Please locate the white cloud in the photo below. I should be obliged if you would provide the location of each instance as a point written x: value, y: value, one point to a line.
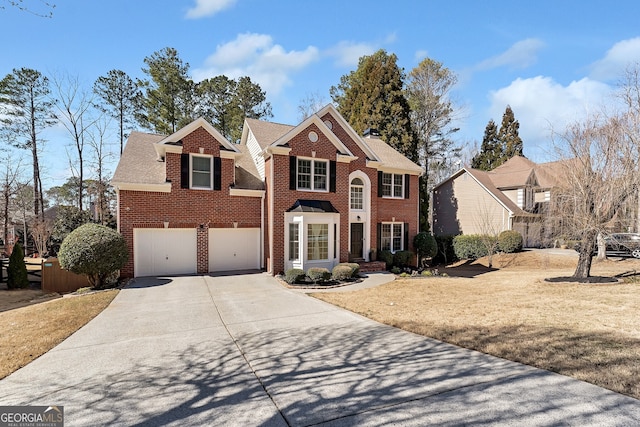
x: 204, y: 8
x: 521, y: 55
x: 541, y: 105
x: 420, y: 55
x: 256, y: 56
x: 347, y: 53
x: 619, y: 57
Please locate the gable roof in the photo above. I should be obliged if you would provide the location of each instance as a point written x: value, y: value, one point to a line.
x: 139, y: 162
x: 390, y: 158
x: 322, y: 127
x: 515, y: 172
x: 330, y: 109
x: 174, y: 138
x: 266, y: 132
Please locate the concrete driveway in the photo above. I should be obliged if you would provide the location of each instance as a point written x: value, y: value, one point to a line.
x: 244, y: 351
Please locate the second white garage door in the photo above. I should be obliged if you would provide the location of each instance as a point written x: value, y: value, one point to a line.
x: 159, y: 252
x: 234, y: 249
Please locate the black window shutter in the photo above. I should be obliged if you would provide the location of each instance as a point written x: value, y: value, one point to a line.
x: 406, y: 236
x: 217, y: 173
x: 379, y: 239
x: 407, y: 181
x: 293, y: 169
x: 332, y: 176
x: 379, y: 184
x: 184, y: 170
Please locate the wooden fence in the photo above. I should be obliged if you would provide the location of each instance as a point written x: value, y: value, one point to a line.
x: 55, y: 279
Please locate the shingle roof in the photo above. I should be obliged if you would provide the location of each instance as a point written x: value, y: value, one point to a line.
x: 139, y: 162
x: 485, y: 179
x: 390, y: 157
x: 266, y: 132
x: 515, y: 172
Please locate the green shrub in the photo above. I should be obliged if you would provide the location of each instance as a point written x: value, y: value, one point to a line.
x: 396, y: 270
x: 403, y: 258
x: 293, y: 275
x: 341, y: 272
x: 427, y: 273
x: 318, y: 274
x: 469, y: 246
x: 510, y: 241
x: 405, y: 274
x: 426, y: 246
x: 95, y: 251
x: 355, y: 268
x: 17, y: 269
x: 445, y: 254
x: 387, y: 257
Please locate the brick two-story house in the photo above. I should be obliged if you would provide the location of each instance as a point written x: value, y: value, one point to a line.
x: 314, y: 194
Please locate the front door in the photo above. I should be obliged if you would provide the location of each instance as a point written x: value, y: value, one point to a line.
x: 357, y: 235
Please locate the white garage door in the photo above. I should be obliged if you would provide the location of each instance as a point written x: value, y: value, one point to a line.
x: 159, y: 251
x: 234, y: 249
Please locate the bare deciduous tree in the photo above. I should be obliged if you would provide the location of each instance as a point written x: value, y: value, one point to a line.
x: 599, y: 175
x: 40, y: 233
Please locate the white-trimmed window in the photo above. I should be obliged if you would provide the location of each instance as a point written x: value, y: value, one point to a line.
x: 317, y: 242
x: 294, y: 241
x: 392, y: 185
x: 201, y: 172
x: 391, y: 236
x: 312, y: 174
x: 356, y: 195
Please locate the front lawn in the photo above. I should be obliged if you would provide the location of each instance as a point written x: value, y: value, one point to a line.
x: 589, y: 332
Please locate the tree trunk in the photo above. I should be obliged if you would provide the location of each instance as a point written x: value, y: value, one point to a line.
x: 583, y: 269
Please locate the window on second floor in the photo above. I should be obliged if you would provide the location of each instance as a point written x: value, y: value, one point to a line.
x: 201, y: 172
x: 312, y: 174
x: 392, y: 185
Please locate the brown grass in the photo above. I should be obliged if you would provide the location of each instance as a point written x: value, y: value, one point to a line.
x: 31, y: 331
x: 589, y: 332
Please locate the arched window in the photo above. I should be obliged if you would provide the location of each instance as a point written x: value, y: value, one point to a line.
x: 357, y: 194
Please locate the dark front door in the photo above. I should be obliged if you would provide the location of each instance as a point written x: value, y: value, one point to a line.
x: 357, y: 235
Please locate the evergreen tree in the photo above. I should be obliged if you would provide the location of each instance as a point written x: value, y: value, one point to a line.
x: 490, y: 151
x: 508, y: 135
x: 252, y: 103
x: 217, y: 103
x: 17, y: 269
x: 120, y: 93
x: 167, y: 103
x: 25, y: 111
x: 373, y: 97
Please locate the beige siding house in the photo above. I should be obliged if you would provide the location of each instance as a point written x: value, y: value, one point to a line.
x: 510, y: 197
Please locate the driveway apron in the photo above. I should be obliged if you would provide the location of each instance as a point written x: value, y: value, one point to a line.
x: 242, y: 350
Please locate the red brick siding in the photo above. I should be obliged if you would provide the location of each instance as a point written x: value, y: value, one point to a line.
x: 186, y: 208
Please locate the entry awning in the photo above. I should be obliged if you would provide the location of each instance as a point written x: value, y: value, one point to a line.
x: 318, y: 206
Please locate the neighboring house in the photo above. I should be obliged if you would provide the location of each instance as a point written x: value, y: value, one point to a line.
x: 513, y: 196
x: 314, y: 194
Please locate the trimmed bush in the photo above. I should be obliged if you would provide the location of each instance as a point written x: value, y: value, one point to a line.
x: 387, y: 257
x: 95, y: 251
x: 510, y: 241
x: 294, y: 275
x: 403, y: 258
x: 17, y: 269
x: 469, y: 246
x: 341, y: 272
x: 318, y: 274
x: 445, y: 254
x: 426, y: 246
x: 355, y: 268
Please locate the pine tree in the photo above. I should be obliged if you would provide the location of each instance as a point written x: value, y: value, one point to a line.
x: 167, y: 103
x: 25, y: 110
x: 509, y: 137
x: 373, y: 97
x: 120, y: 93
x: 490, y: 151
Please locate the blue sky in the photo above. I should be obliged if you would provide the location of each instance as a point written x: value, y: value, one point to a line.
x: 552, y: 61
